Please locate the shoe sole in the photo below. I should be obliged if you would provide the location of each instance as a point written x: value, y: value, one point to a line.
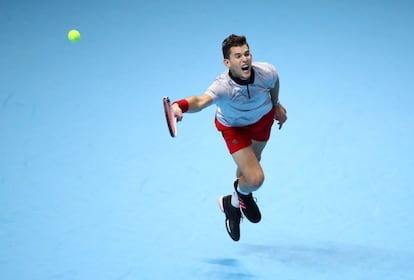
x: 220, y: 203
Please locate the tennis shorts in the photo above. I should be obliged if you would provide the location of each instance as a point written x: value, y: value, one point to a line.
x: 237, y: 138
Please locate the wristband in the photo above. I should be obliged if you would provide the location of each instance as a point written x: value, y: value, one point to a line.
x: 183, y: 104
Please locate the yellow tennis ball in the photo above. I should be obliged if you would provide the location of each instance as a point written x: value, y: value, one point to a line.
x: 74, y: 35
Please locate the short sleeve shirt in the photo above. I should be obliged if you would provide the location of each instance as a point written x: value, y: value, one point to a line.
x: 241, y: 105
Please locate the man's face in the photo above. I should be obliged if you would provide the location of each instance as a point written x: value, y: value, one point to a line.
x: 240, y: 62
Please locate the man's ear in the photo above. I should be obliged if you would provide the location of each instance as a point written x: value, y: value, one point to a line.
x: 226, y: 62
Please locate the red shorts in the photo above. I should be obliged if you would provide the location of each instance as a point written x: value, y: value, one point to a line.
x: 241, y: 137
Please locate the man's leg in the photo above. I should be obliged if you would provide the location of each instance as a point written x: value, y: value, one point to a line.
x: 250, y: 178
x: 249, y: 170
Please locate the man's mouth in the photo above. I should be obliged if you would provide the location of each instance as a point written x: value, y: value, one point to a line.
x: 245, y: 68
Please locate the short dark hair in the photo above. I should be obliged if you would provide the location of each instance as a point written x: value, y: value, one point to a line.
x: 232, y: 41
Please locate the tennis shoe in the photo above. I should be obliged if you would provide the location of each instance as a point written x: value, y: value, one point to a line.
x: 248, y: 205
x: 233, y: 216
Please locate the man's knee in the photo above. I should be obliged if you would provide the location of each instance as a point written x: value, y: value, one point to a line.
x: 254, y: 182
x: 257, y: 182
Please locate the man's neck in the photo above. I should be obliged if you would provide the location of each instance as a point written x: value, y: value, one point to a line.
x: 243, y: 82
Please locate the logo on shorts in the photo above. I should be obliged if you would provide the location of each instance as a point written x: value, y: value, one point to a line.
x: 234, y: 142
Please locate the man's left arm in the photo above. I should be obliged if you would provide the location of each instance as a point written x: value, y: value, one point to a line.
x: 280, y: 112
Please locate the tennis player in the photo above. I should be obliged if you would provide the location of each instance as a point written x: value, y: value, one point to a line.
x: 247, y: 100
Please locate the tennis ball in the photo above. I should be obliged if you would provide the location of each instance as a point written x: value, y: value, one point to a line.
x: 74, y: 35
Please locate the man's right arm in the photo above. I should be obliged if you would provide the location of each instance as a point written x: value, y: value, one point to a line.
x: 192, y: 104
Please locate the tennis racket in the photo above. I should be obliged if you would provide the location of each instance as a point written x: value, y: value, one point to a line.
x: 170, y: 116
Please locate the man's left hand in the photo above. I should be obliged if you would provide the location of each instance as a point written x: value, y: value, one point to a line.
x: 280, y: 115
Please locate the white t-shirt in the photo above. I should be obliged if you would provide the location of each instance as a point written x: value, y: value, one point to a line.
x: 241, y: 105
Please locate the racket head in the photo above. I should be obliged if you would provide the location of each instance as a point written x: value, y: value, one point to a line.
x: 170, y: 116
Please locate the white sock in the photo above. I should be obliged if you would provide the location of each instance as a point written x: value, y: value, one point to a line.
x: 235, y: 200
x: 242, y: 192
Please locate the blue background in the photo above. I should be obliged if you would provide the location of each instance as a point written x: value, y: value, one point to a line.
x: 93, y: 187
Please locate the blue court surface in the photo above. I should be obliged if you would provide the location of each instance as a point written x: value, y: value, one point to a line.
x: 93, y: 187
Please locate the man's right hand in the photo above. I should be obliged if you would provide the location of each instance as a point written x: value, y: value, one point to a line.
x: 177, y: 112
